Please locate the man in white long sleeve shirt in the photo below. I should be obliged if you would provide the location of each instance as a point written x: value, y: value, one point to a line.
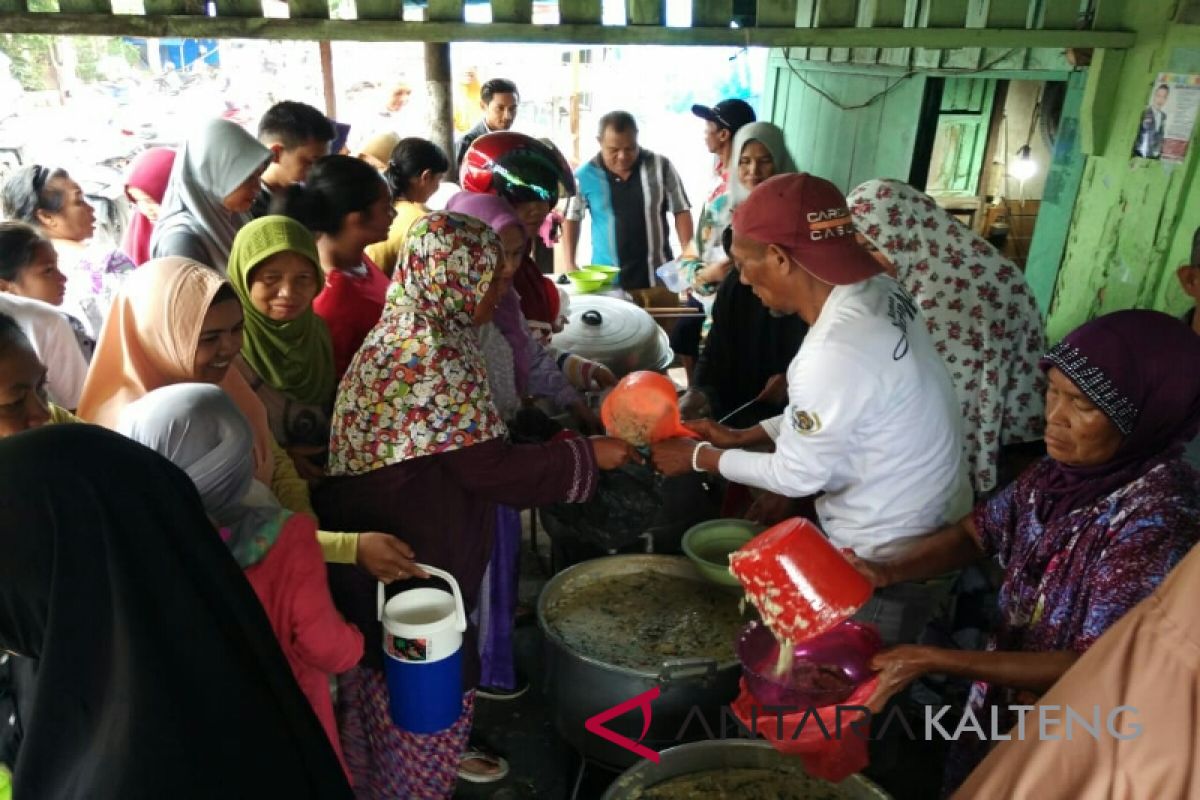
x: 873, y: 421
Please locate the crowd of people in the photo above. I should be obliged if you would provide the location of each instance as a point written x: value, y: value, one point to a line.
x: 341, y: 384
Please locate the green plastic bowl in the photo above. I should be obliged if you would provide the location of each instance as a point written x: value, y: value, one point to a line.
x: 610, y: 273
x: 586, y: 280
x: 709, y: 544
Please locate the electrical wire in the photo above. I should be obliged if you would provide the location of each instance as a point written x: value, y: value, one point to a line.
x: 895, y: 85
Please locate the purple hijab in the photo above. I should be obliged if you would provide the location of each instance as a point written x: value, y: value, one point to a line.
x: 1139, y: 368
x: 507, y: 318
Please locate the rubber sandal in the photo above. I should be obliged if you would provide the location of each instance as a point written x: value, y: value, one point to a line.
x: 501, y: 694
x: 498, y: 764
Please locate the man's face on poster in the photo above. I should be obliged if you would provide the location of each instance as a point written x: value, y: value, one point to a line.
x: 1160, y: 97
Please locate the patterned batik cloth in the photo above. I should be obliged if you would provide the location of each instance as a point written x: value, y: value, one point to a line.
x: 1067, y: 581
x: 385, y: 762
x: 980, y: 312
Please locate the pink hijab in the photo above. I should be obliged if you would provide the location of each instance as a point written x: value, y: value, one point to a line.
x: 149, y: 173
x: 508, y: 319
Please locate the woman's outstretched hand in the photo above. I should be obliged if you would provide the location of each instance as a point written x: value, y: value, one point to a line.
x: 612, y: 453
x: 387, y: 558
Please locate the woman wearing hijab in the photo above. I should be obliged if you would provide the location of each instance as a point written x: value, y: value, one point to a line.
x: 748, y: 348
x: 287, y: 355
x: 177, y: 321
x: 145, y: 186
x: 980, y: 312
x: 414, y: 418
x: 214, y: 181
x: 531, y: 175
x: 201, y: 431
x: 347, y: 205
x: 1082, y: 535
x: 157, y: 671
x: 537, y: 370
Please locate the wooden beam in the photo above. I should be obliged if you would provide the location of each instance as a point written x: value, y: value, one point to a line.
x: 238, y: 8
x: 1008, y: 14
x: 382, y: 10
x: 445, y: 11
x: 399, y: 31
x: 325, y: 50
x: 885, y: 13
x: 946, y: 13
x: 836, y: 13
x: 711, y: 13
x: 1059, y: 14
x: 649, y: 12
x: 1109, y: 14
x: 579, y: 12
x: 92, y: 6
x: 776, y: 13
x: 1099, y: 98
x: 169, y: 7
x: 516, y: 11
x: 308, y: 9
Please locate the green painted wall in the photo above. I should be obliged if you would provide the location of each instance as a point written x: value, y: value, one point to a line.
x: 1133, y: 221
x: 845, y: 146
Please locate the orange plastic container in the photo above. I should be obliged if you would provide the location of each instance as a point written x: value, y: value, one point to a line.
x: 643, y: 409
x: 798, y: 580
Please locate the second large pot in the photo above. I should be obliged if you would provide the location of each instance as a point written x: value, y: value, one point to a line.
x: 692, y: 692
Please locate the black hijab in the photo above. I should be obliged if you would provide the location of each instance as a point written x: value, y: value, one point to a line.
x: 157, y: 671
x: 746, y: 345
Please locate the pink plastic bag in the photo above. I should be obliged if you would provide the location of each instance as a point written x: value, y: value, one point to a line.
x: 832, y: 749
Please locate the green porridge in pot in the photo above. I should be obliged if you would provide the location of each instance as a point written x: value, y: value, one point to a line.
x: 640, y: 619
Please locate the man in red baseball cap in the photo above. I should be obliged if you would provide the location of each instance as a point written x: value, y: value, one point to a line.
x: 794, y: 240
x: 873, y: 424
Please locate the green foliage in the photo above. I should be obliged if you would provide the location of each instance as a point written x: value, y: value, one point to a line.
x: 32, y: 54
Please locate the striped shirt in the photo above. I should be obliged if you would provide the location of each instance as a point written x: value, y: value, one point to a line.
x: 630, y: 223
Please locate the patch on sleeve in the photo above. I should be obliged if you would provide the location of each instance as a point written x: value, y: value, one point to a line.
x: 805, y: 422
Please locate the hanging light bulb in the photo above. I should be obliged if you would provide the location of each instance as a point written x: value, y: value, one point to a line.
x: 1024, y: 167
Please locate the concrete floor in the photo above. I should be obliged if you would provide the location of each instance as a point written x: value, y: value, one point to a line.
x: 544, y: 767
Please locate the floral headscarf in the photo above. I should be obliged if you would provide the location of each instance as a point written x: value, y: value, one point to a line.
x: 418, y: 385
x: 980, y: 312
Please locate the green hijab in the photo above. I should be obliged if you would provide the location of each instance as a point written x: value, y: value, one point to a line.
x: 295, y: 357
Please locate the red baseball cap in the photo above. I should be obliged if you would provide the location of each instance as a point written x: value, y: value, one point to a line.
x: 808, y: 217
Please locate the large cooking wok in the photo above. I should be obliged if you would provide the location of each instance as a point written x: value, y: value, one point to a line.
x: 579, y: 686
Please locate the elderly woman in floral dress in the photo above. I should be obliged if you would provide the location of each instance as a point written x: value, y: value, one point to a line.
x: 1082, y: 535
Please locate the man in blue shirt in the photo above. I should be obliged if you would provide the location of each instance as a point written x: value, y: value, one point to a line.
x: 629, y: 192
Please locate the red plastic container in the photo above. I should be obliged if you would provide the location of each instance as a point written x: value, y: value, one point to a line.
x: 798, y: 580
x: 643, y: 409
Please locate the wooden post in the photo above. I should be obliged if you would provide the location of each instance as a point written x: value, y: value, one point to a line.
x: 327, y: 78
x: 441, y: 100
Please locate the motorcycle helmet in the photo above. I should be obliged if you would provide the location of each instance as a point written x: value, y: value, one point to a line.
x: 517, y: 167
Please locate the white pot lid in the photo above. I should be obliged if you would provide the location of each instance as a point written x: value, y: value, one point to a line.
x: 618, y: 334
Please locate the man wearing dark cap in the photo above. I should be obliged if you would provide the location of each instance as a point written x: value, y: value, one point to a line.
x: 704, y: 263
x: 721, y: 122
x: 873, y: 421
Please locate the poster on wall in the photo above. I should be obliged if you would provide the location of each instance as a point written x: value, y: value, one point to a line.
x: 1165, y: 127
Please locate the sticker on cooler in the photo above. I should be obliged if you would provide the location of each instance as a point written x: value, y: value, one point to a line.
x: 407, y: 649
